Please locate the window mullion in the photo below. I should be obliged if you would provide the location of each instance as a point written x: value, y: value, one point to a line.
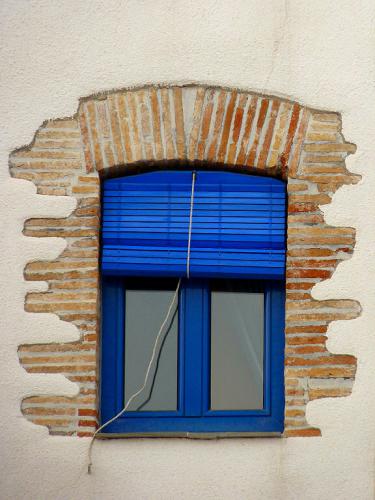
x: 193, y: 319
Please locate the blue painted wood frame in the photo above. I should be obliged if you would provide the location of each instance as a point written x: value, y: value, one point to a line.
x: 193, y: 414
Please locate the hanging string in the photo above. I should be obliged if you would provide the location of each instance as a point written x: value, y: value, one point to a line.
x: 190, y: 225
x: 133, y: 396
x: 157, y: 344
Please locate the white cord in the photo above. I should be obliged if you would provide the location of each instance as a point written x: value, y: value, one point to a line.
x: 190, y: 225
x: 133, y: 396
x: 154, y: 350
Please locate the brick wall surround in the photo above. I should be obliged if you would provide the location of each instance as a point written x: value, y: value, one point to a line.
x: 176, y: 127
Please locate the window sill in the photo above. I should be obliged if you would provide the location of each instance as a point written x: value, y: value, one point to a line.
x: 188, y: 435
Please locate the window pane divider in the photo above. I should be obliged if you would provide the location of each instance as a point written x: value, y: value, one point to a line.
x: 192, y: 310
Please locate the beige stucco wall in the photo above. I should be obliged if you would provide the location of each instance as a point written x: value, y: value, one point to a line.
x: 319, y: 53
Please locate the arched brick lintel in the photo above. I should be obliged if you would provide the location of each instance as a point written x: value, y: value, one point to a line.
x: 179, y: 126
x: 198, y: 124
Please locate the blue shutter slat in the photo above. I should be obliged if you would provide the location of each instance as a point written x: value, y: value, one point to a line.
x: 244, y: 203
x: 201, y: 228
x: 202, y: 254
x: 276, y: 221
x: 238, y: 225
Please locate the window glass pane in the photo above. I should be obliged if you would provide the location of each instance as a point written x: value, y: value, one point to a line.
x: 145, y: 311
x: 237, y: 338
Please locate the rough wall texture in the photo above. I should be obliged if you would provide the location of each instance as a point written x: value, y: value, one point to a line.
x: 176, y: 127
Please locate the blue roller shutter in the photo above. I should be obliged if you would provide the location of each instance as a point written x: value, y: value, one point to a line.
x: 238, y: 225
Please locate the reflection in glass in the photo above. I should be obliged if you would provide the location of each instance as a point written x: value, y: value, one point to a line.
x: 145, y: 310
x: 237, y: 337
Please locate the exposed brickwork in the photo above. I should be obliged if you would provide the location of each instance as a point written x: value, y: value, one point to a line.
x: 179, y: 126
x: 215, y: 125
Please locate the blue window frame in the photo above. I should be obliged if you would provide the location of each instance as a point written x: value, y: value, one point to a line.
x: 237, y: 241
x: 193, y: 413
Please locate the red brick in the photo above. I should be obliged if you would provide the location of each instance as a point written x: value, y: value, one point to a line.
x: 324, y: 360
x: 84, y: 412
x: 85, y: 434
x: 87, y: 423
x: 310, y: 432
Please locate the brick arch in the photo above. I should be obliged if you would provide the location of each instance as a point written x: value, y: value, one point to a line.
x: 126, y: 131
x: 192, y: 125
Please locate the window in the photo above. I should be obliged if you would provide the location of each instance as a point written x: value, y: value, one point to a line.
x: 219, y: 368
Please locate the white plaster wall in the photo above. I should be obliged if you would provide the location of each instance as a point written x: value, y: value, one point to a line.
x: 319, y: 52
